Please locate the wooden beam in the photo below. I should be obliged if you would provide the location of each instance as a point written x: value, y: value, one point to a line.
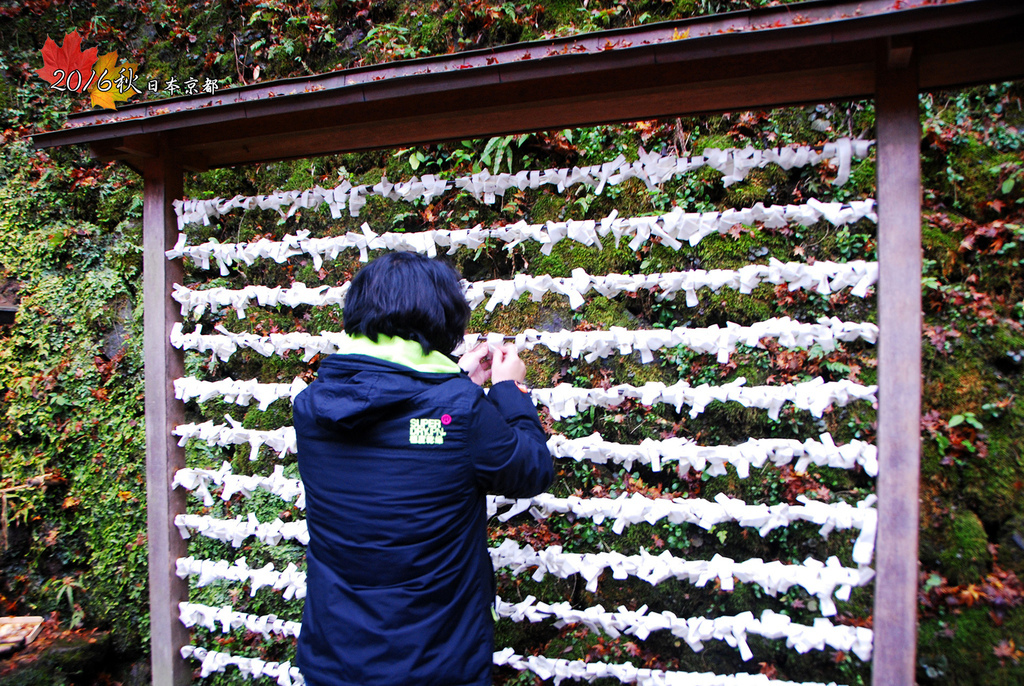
x: 163, y: 364
x: 899, y: 370
x: 760, y: 58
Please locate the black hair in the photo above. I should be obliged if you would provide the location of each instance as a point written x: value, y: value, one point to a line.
x: 410, y: 296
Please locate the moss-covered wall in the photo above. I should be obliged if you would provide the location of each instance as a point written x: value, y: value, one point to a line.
x: 71, y: 430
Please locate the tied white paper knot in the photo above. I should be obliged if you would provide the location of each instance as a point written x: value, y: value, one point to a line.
x: 636, y: 508
x: 714, y: 340
x: 560, y: 669
x: 687, y: 454
x: 195, y: 614
x: 199, y: 480
x: 816, y: 396
x: 250, y: 667
x: 820, y: 579
x: 235, y: 391
x: 696, y: 630
x: 290, y: 581
x: 235, y: 531
x: 281, y: 441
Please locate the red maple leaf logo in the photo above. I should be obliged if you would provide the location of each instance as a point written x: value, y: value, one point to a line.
x: 67, y: 67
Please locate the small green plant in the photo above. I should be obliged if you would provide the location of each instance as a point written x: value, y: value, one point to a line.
x: 66, y: 591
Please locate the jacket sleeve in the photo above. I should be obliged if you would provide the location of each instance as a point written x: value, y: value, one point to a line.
x: 507, y: 444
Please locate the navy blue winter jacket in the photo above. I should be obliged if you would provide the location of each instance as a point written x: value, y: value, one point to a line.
x: 396, y: 461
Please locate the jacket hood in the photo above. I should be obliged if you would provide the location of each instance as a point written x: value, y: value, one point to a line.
x: 370, y: 380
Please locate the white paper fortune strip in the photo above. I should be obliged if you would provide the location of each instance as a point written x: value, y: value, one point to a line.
x: 560, y: 670
x: 290, y: 581
x: 625, y: 510
x: 684, y: 452
x: 250, y: 667
x: 195, y: 614
x: 695, y: 630
x: 651, y: 168
x: 564, y: 400
x: 591, y: 345
x: 672, y: 229
x: 823, y: 277
x: 817, y: 578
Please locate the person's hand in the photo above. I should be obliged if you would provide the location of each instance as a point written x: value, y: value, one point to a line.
x: 477, y: 363
x: 506, y: 365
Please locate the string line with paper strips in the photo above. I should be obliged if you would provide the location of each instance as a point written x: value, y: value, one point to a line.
x: 668, y: 488
x: 672, y: 229
x: 651, y: 168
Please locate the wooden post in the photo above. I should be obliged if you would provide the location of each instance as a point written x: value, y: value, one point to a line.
x: 163, y: 364
x: 899, y: 366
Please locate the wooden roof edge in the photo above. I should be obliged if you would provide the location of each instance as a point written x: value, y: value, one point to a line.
x: 822, y: 22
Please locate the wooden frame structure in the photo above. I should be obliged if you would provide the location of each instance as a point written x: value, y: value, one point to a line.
x: 805, y: 53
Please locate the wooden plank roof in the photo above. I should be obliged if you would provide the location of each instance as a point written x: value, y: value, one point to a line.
x: 808, y: 52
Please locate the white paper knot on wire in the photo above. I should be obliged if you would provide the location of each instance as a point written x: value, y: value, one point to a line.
x: 560, y: 669
x: 249, y: 667
x: 235, y: 531
x: 696, y: 630
x: 636, y: 508
x: 199, y: 480
x: 715, y: 340
x: 591, y: 345
x: 651, y: 168
x: 291, y: 581
x: 816, y: 396
x: 824, y: 277
x: 687, y: 454
x: 235, y: 391
x: 672, y: 229
x: 281, y: 441
x: 195, y: 614
x: 820, y: 579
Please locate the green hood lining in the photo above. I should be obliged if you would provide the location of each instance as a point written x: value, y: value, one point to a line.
x: 400, y: 351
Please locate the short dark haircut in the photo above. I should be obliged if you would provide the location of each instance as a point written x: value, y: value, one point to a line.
x: 410, y: 296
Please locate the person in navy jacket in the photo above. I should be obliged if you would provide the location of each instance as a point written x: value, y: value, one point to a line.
x: 397, y: 447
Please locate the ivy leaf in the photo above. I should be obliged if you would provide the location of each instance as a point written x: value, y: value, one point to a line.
x: 111, y: 83
x: 61, y: 63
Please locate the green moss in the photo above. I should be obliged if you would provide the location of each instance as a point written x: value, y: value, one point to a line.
x: 959, y: 649
x: 993, y: 484
x: 965, y: 557
x: 759, y: 186
x: 601, y: 310
x: 568, y: 255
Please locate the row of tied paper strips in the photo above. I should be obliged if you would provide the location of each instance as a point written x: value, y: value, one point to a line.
x: 826, y: 581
